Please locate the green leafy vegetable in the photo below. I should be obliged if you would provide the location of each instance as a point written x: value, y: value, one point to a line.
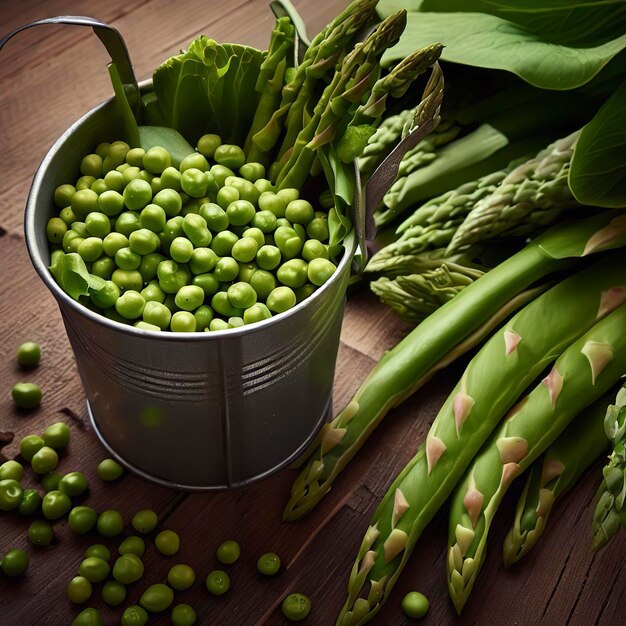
x: 598, y: 171
x: 472, y: 38
x: 71, y: 273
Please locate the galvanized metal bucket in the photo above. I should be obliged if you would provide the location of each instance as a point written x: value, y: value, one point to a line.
x: 197, y: 411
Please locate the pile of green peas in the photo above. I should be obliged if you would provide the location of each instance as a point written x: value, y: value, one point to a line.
x: 205, y: 246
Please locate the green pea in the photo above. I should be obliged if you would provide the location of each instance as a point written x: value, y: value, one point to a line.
x: 145, y: 326
x: 244, y: 250
x: 269, y: 201
x: 73, y: 484
x: 304, y: 292
x: 126, y: 259
x: 183, y: 322
x: 143, y: 241
x: 240, y: 212
x: 133, y: 545
x: 80, y: 228
x: 228, y: 552
x: 85, y: 182
x: 202, y: 260
x: 79, y: 590
x: 229, y: 155
x: 157, y: 598
x: 63, y: 195
x: 296, y: 607
x: 26, y: 395
x: 127, y: 223
x: 221, y: 173
x: 137, y: 194
x: 44, y: 460
x: 189, y: 297
x: 99, y: 186
x: 128, y: 569
x: 113, y: 593
x: 208, y: 283
x: 114, y: 242
x: 314, y: 249
x: 84, y: 201
x: 88, y: 617
x: 226, y: 196
x: 320, y: 270
x: 40, y: 533
x: 226, y: 269
x: 263, y: 185
x: 55, y: 230
x: 109, y: 470
x: 149, y: 265
x: 90, y: 249
x: 114, y: 182
x: 134, y: 157
x: 91, y: 165
x: 10, y: 494
x: 265, y: 221
x: 98, y: 225
x: 317, y: 229
x: 236, y: 322
x: 127, y: 280
x: 110, y: 203
x: 157, y: 314
x: 50, y: 481
x: 252, y: 171
x: 268, y: 257
x: 98, y: 550
x: 181, y: 250
x: 153, y: 217
x: 263, y: 283
x: 203, y: 315
x: 82, y: 519
x: 144, y: 521
x: 256, y: 313
x: 170, y: 179
x: 103, y: 268
x: 11, y: 470
x: 130, y: 305
x: 289, y: 194
x: 170, y: 201
x: 195, y: 160
x: 156, y: 160
x: 194, y: 182
x: 94, y: 569
x: 219, y: 324
x: 30, y: 503
x: 167, y: 542
x: 110, y: 523
x: 183, y: 615
x: 152, y: 293
x: 293, y: 273
x: 223, y: 243
x: 215, y: 217
x: 268, y: 564
x: 57, y: 435
x: 218, y: 582
x: 55, y: 504
x: 415, y: 604
x: 181, y: 577
x: 221, y: 303
x: 246, y: 270
x: 195, y: 227
x: 255, y: 234
x: 71, y: 240
x: 172, y: 276
x: 68, y: 216
x: 288, y: 242
x: 14, y: 562
x: 281, y: 299
x: 208, y: 144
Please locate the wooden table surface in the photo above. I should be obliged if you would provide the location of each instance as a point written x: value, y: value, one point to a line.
x: 48, y: 78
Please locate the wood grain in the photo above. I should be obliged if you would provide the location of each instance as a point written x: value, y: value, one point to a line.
x: 48, y: 78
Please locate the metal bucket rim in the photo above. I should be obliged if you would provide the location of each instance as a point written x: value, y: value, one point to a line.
x: 350, y: 245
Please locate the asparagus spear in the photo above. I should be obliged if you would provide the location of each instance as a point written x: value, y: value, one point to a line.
x: 415, y: 296
x: 493, y: 380
x: 557, y: 471
x: 321, y: 56
x: 610, y: 512
x: 350, y: 84
x: 450, y: 331
x: 540, y: 183
x: 586, y: 370
x: 269, y: 84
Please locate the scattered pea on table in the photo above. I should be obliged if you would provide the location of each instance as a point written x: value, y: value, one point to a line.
x: 10, y: 494
x: 218, y: 582
x: 40, y: 533
x: 167, y: 542
x: 109, y: 470
x: 228, y: 552
x: 128, y: 569
x: 183, y: 615
x: 144, y: 521
x: 29, y: 353
x: 157, y: 598
x: 268, y: 564
x: 132, y: 545
x: 134, y: 615
x: 82, y: 519
x: 110, y: 523
x: 57, y: 435
x: 79, y: 590
x: 15, y: 562
x: 88, y: 617
x: 26, y: 395
x: 296, y: 607
x: 415, y: 604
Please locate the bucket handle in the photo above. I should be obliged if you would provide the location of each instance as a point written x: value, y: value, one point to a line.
x: 110, y: 38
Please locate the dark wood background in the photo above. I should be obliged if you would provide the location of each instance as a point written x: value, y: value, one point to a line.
x: 48, y: 78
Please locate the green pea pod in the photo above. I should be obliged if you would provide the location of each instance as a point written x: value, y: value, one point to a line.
x: 555, y: 473
x: 586, y: 370
x: 494, y: 379
x: 444, y: 335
